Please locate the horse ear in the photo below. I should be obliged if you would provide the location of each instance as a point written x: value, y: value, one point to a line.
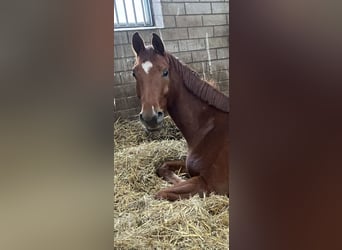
x: 158, y: 44
x: 138, y: 43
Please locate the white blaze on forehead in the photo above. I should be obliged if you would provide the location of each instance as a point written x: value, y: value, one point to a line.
x: 147, y: 66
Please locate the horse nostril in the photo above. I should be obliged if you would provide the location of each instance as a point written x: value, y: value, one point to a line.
x: 160, y: 116
x: 140, y: 116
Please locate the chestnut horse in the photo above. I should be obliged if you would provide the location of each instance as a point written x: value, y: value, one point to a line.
x: 200, y: 111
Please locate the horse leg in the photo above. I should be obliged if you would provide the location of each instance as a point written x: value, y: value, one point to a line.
x: 168, y: 169
x: 184, y: 189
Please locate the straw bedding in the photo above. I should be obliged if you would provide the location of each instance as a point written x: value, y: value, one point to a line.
x: 140, y: 221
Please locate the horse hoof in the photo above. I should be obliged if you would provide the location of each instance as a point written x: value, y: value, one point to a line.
x: 158, y: 172
x: 159, y: 196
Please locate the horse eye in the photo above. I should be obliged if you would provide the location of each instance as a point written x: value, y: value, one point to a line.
x: 165, y: 73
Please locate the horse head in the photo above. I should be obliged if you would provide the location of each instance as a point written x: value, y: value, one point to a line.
x: 151, y: 71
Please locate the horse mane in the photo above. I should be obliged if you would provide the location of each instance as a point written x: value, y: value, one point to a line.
x: 199, y: 87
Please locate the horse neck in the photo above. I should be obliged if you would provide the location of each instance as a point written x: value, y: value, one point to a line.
x: 186, y: 109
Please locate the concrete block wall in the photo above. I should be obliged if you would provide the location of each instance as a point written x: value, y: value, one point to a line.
x: 196, y: 31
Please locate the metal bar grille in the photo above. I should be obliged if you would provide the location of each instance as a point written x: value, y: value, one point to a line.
x: 125, y: 12
x: 132, y: 13
x: 135, y: 15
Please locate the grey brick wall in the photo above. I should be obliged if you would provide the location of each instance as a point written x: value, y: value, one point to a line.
x: 192, y: 29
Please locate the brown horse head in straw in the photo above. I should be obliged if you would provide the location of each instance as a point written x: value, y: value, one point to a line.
x: 152, y: 75
x: 199, y: 110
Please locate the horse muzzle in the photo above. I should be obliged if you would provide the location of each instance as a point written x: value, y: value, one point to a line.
x: 153, y: 122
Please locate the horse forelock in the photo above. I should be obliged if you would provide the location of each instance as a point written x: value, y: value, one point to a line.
x: 148, y: 54
x: 199, y: 87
